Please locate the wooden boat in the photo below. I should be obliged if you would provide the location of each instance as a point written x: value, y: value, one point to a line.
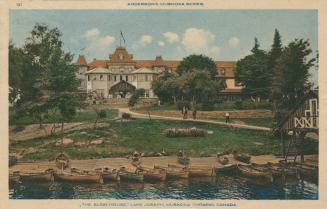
x: 201, y: 172
x: 225, y: 169
x: 174, y: 171
x: 108, y: 174
x: 14, y: 177
x: 223, y: 160
x: 307, y: 171
x: 129, y: 176
x: 12, y: 160
x: 154, y: 174
x: 245, y: 158
x: 78, y: 177
x: 62, y: 161
x: 46, y: 176
x: 183, y: 160
x: 261, y: 175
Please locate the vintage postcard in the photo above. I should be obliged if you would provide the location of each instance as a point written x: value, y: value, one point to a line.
x: 162, y: 104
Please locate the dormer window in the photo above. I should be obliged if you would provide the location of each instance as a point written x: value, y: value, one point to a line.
x: 121, y: 56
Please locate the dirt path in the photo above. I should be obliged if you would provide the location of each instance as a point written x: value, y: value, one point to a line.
x: 238, y: 125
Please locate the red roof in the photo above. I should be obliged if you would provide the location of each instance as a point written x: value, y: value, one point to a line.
x: 81, y: 60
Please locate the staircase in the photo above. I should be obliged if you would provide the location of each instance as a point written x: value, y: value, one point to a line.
x: 293, y: 148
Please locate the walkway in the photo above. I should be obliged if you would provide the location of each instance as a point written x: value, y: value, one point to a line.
x: 237, y: 125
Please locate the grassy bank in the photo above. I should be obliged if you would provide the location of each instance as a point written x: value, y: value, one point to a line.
x: 122, y: 138
x: 81, y: 116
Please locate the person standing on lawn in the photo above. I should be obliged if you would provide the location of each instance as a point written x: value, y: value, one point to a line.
x: 194, y: 113
x: 227, y: 117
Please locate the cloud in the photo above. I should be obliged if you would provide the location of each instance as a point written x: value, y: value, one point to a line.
x: 93, y: 32
x: 171, y: 37
x: 145, y: 39
x: 233, y: 41
x: 96, y: 43
x: 200, y: 41
x: 161, y: 43
x: 142, y: 41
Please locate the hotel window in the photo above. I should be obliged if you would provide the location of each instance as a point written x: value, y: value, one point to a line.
x: 88, y: 77
x: 101, y: 77
x: 115, y: 78
x: 134, y: 78
x: 108, y: 77
x: 146, y: 77
x: 126, y: 77
x: 121, y: 77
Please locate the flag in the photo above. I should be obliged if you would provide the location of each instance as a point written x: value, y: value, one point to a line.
x: 121, y: 33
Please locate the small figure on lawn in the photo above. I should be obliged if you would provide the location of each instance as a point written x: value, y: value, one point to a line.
x: 184, y: 112
x: 194, y: 114
x: 227, y: 117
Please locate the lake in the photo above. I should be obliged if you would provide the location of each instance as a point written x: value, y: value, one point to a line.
x: 222, y: 187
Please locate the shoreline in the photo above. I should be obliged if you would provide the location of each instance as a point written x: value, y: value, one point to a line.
x: 91, y: 164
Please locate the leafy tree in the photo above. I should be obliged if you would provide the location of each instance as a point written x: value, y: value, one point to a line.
x: 197, y: 62
x: 293, y: 66
x: 135, y: 96
x: 251, y: 71
x: 167, y: 87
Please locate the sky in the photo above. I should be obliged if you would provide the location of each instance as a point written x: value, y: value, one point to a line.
x: 173, y: 34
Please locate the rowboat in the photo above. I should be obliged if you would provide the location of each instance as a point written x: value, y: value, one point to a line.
x: 198, y: 172
x: 183, y: 160
x: 223, y: 160
x: 46, y: 176
x: 174, y: 171
x: 306, y: 171
x: 225, y: 169
x: 78, y: 177
x: 260, y: 175
x: 241, y: 157
x: 129, y: 176
x: 154, y: 174
x: 14, y: 177
x: 108, y: 175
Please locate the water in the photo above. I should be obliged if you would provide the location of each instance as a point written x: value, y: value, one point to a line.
x: 200, y: 188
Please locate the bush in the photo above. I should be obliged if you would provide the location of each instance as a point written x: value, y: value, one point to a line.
x: 102, y: 114
x: 181, y: 104
x: 238, y: 105
x: 188, y: 132
x: 135, y: 96
x: 126, y: 116
x: 209, y: 106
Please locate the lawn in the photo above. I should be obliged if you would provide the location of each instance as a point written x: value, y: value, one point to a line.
x: 82, y: 116
x: 122, y: 138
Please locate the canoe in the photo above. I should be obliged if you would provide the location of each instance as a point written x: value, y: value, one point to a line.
x: 129, y: 176
x: 242, y: 157
x: 110, y: 175
x: 37, y: 177
x: 183, y: 160
x: 14, y: 177
x: 225, y: 169
x: 259, y: 174
x: 177, y: 173
x: 154, y: 175
x: 77, y: 177
x: 201, y: 172
x: 12, y: 160
x: 223, y: 160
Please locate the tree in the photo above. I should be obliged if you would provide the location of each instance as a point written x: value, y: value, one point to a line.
x: 293, y: 66
x: 48, y: 79
x: 197, y: 62
x: 135, y: 96
x: 198, y: 87
x: 275, y: 77
x: 251, y: 71
x: 167, y: 87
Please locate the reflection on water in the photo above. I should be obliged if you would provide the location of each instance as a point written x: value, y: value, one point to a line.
x: 223, y: 187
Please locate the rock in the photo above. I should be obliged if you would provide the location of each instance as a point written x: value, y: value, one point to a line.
x: 80, y: 143
x: 66, y: 141
x: 96, y: 141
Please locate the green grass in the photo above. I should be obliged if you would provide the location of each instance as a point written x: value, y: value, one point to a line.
x: 246, y: 105
x: 122, y: 138
x: 266, y: 122
x: 79, y: 117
